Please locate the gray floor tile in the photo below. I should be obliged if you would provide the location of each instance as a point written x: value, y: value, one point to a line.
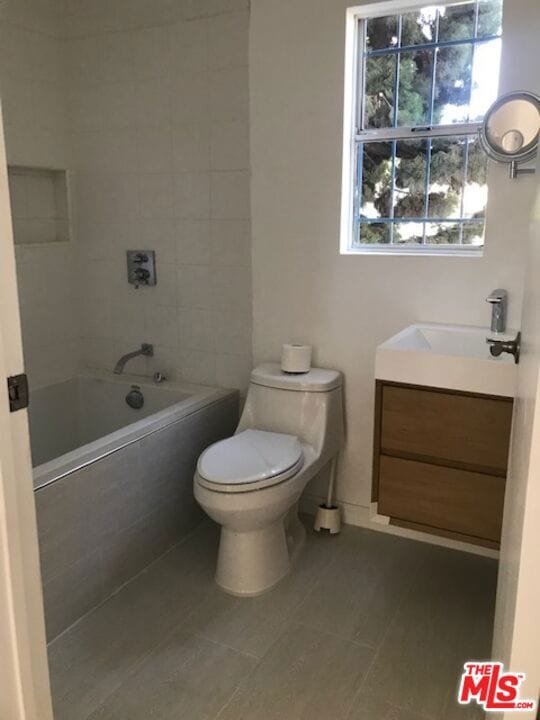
x: 371, y: 707
x: 185, y: 678
x: 359, y: 595
x: 445, y: 620
x: 170, y: 644
x: 93, y: 657
x: 306, y: 674
x: 250, y: 625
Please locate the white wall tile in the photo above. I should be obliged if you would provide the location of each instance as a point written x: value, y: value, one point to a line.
x: 197, y: 366
x: 17, y: 101
x: 157, y: 234
x: 165, y: 360
x: 187, y: 44
x: 193, y: 242
x: 228, y: 41
x: 230, y: 145
x: 192, y: 196
x: 161, y: 325
x: 230, y: 195
x: 233, y: 333
x: 190, y: 97
x: 149, y: 50
x: 133, y: 90
x: 232, y: 289
x: 208, y: 8
x: 231, y: 242
x: 154, y: 150
x: 195, y: 287
x: 156, y: 195
x: 191, y: 147
x: 116, y: 58
x: 233, y: 371
x: 229, y: 95
x: 116, y: 105
x: 153, y: 103
x: 197, y: 329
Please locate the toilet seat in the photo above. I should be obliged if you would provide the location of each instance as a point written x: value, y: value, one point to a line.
x: 250, y: 460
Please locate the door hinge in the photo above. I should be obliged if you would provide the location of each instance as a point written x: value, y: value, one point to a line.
x: 18, y: 392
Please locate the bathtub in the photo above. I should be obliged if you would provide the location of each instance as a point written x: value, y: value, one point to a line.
x: 113, y: 484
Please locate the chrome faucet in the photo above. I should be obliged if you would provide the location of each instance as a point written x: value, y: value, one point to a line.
x: 498, y: 300
x: 146, y: 349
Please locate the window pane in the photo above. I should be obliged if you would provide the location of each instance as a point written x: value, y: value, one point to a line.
x: 382, y: 32
x: 418, y: 28
x: 489, y: 18
x: 415, y: 77
x: 408, y: 233
x: 410, y: 182
x: 452, y: 84
x: 374, y: 233
x: 456, y: 22
x: 379, y: 92
x: 427, y: 191
x: 376, y: 194
x: 446, y: 167
x: 475, y: 190
x: 473, y: 234
x: 485, y: 78
x: 443, y: 233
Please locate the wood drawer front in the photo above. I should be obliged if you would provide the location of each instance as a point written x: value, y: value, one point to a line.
x: 458, y: 500
x: 468, y: 430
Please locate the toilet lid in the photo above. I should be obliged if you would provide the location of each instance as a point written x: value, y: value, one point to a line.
x: 249, y: 457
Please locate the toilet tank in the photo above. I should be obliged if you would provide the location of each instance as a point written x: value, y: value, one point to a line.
x: 308, y: 405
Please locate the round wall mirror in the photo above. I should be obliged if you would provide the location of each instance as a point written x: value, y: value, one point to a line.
x: 510, y: 130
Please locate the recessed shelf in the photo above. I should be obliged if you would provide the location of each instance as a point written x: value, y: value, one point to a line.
x: 39, y: 205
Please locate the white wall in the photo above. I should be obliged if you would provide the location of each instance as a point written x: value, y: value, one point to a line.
x: 33, y: 91
x: 303, y: 290
x: 159, y: 121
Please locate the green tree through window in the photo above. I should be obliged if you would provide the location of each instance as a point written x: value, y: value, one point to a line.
x: 426, y: 79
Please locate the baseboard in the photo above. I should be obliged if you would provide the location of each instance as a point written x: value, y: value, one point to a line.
x: 367, y: 517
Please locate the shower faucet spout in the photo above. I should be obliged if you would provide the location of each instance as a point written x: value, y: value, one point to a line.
x: 145, y: 349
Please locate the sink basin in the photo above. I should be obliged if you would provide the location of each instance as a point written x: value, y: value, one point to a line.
x: 455, y: 357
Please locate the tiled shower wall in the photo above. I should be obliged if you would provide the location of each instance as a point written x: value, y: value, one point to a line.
x: 146, y: 103
x: 158, y: 110
x: 33, y: 92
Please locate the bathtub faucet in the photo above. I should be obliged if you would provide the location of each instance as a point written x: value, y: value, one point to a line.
x: 146, y: 349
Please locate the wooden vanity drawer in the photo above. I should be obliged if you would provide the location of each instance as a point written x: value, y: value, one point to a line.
x: 459, y: 501
x: 446, y: 427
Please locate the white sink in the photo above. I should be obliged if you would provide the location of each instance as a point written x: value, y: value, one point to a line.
x: 455, y: 357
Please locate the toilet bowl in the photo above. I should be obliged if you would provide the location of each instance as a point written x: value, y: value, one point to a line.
x: 250, y: 484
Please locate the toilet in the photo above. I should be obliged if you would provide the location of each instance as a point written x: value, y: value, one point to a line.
x: 250, y: 483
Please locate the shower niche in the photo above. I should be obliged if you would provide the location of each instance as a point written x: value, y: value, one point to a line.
x: 39, y: 205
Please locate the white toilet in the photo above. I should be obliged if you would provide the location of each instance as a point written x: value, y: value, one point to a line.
x: 291, y: 426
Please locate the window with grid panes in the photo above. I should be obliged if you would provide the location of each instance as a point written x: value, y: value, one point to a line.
x: 424, y: 79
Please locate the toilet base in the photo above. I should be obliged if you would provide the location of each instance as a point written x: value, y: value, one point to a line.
x: 250, y: 563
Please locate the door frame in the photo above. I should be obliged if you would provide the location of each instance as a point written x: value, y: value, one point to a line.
x: 24, y: 676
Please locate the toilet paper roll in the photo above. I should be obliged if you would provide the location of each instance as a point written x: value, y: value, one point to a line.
x: 296, y: 358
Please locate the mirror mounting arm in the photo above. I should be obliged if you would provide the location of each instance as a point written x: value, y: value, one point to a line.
x: 515, y: 170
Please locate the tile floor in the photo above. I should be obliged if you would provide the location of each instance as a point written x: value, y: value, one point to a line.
x: 366, y: 627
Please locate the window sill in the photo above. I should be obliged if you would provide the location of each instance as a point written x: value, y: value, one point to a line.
x: 403, y: 252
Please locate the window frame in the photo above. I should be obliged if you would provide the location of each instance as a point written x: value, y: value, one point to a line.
x: 352, y: 134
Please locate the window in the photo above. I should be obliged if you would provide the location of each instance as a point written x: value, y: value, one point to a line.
x: 418, y: 84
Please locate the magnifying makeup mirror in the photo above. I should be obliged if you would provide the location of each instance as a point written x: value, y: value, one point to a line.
x: 510, y: 130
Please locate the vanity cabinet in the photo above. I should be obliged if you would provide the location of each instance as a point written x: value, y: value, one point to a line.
x: 440, y: 460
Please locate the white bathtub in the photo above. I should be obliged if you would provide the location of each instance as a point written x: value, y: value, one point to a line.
x: 76, y: 422
x: 114, y: 485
